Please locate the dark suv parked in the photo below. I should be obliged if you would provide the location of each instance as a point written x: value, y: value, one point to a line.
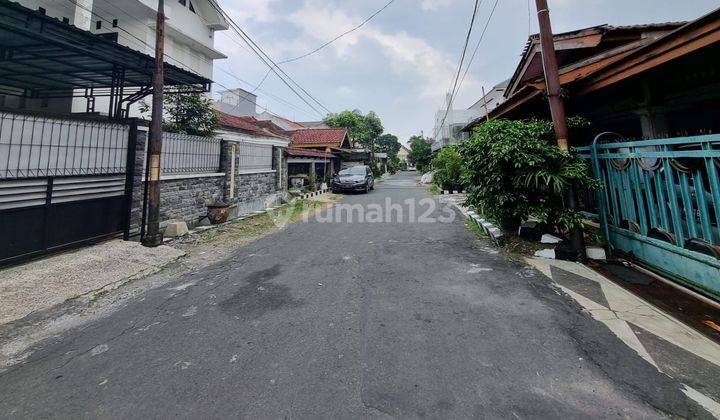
x: 356, y: 178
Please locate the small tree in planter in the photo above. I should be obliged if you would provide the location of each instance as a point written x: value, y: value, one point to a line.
x: 187, y: 112
x: 515, y: 170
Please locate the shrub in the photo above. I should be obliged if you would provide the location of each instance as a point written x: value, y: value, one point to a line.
x: 514, y: 170
x: 448, y: 169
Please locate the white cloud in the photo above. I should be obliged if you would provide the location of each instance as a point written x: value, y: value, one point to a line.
x: 435, y: 4
x: 408, y: 56
x: 345, y: 91
x: 322, y: 24
x: 251, y: 10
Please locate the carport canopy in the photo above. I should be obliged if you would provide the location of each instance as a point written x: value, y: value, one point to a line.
x: 43, y: 57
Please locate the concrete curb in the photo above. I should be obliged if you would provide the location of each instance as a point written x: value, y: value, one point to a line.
x: 314, y: 193
x: 492, y: 231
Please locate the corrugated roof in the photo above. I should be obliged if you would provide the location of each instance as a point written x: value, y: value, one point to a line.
x: 309, y: 136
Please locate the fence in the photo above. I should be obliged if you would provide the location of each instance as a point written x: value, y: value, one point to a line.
x: 661, y: 204
x: 255, y: 157
x: 33, y: 146
x: 64, y: 181
x: 186, y: 154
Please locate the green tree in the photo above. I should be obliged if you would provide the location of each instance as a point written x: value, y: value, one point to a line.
x: 420, y: 152
x: 388, y: 143
x: 187, y: 112
x: 363, y: 129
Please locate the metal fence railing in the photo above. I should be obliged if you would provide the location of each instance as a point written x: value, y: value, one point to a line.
x: 255, y: 157
x: 186, y: 154
x: 660, y: 202
x: 36, y: 146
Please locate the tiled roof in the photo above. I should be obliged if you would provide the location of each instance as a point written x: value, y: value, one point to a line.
x: 309, y: 136
x: 248, y: 125
x: 295, y: 152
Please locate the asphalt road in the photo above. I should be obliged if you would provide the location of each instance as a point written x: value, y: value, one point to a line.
x: 379, y: 319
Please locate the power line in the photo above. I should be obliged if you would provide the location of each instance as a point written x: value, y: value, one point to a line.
x: 279, y: 99
x: 477, y: 46
x: 368, y: 19
x: 264, y: 57
x: 462, y: 59
x: 178, y: 61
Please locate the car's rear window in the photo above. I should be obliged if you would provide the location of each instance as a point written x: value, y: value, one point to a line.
x: 357, y: 170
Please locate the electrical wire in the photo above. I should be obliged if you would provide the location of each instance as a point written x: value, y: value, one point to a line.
x: 265, y: 58
x: 477, y: 46
x: 174, y: 59
x: 462, y: 59
x: 290, y: 60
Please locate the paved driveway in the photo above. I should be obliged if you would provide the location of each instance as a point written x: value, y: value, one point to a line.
x: 402, y: 312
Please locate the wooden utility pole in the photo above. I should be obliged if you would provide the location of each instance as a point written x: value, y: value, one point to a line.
x: 557, y: 108
x: 153, y: 236
x: 487, y: 112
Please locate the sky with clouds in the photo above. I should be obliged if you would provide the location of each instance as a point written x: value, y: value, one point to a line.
x: 402, y: 62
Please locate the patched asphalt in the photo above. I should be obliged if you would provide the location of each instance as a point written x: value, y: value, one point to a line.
x: 348, y: 320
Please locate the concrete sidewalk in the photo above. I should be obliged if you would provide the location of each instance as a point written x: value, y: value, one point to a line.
x: 44, y: 283
x: 670, y: 346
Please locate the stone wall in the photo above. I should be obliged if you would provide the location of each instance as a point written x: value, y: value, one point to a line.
x: 254, y: 191
x: 185, y: 197
x: 138, y: 190
x: 250, y: 186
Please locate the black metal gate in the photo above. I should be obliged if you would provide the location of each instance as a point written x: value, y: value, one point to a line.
x: 63, y: 182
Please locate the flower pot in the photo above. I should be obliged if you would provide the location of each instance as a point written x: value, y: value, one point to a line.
x: 218, y: 213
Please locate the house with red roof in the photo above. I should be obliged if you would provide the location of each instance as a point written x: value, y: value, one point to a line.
x: 321, y: 138
x: 323, y: 152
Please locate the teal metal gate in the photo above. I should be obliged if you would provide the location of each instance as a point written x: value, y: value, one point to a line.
x: 660, y: 204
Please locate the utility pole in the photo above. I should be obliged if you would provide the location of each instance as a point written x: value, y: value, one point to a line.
x: 153, y: 237
x: 487, y: 113
x: 557, y: 108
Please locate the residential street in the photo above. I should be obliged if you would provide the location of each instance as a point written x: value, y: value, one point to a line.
x: 348, y: 320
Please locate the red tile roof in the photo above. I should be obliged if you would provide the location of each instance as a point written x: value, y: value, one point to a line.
x: 293, y: 151
x: 249, y: 125
x: 319, y: 136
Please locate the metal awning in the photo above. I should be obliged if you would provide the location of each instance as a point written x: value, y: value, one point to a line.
x: 42, y: 57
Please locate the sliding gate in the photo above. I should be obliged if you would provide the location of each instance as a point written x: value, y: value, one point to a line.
x: 660, y: 204
x: 63, y: 182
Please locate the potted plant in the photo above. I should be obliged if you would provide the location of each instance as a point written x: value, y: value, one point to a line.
x: 218, y: 212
